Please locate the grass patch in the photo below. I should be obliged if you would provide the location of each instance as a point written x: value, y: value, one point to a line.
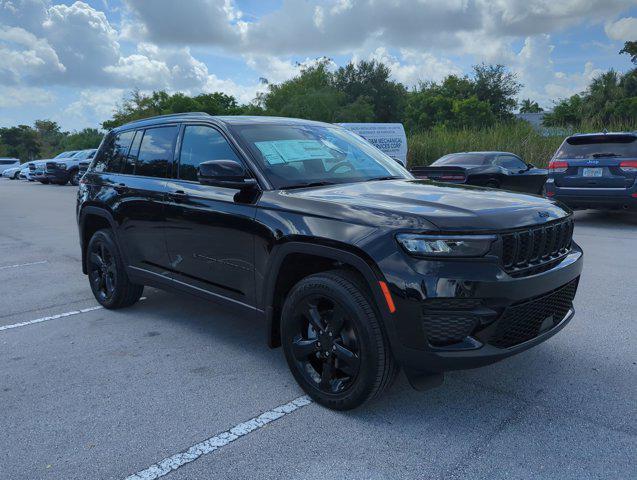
x: 516, y: 137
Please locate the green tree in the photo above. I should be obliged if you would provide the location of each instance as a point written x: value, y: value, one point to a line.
x: 497, y: 86
x: 472, y: 113
x: 529, y: 106
x: 82, y: 140
x: 568, y: 112
x: 630, y: 49
x: 21, y: 142
x: 371, y: 79
x: 50, y: 137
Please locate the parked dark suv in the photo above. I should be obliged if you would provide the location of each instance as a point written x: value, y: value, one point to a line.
x: 352, y: 265
x: 595, y: 170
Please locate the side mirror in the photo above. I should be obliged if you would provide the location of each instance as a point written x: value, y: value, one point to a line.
x: 530, y: 166
x: 224, y: 173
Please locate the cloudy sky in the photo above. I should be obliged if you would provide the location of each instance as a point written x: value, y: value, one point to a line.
x: 74, y: 61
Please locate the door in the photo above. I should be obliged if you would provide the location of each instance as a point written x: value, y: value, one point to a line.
x: 141, y: 207
x: 515, y: 174
x: 210, y: 230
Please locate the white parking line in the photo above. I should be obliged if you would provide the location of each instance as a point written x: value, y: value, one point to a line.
x: 52, y: 317
x: 24, y: 264
x: 212, y: 444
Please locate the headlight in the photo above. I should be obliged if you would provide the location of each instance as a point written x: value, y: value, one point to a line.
x: 446, y: 245
x: 62, y: 166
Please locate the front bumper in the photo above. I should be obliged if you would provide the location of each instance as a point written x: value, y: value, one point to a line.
x: 501, y: 315
x: 56, y: 176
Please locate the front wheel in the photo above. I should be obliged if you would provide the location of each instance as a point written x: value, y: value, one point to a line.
x: 75, y: 178
x: 333, y: 341
x: 107, y: 275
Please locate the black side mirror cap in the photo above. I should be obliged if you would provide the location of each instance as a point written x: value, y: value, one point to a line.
x: 224, y: 173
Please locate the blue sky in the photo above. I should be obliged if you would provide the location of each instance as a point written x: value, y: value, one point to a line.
x: 73, y: 62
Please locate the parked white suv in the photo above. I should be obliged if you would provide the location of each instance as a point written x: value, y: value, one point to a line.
x: 8, y: 163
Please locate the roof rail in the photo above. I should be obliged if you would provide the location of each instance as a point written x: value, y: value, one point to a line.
x: 168, y: 115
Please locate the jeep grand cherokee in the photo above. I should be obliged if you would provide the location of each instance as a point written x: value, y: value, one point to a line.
x: 352, y: 265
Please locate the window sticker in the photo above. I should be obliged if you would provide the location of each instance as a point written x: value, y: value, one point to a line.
x: 286, y: 151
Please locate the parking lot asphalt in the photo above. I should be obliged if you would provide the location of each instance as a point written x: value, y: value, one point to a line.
x: 107, y: 394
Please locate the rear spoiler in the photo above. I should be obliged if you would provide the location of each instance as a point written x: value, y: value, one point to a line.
x: 443, y: 174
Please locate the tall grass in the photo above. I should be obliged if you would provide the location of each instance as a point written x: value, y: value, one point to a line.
x: 517, y: 137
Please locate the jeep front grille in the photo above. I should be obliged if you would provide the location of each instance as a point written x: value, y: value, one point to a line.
x: 536, y: 249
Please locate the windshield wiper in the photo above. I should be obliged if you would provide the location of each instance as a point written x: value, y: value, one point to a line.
x: 388, y: 177
x: 599, y: 155
x: 304, y: 185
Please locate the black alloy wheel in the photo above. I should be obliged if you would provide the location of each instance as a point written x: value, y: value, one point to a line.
x: 102, y: 271
x: 107, y: 276
x: 334, y: 342
x: 326, y: 345
x: 75, y: 178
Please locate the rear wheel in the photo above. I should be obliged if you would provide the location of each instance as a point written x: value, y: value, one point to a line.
x: 107, y: 275
x: 16, y: 175
x: 334, y: 343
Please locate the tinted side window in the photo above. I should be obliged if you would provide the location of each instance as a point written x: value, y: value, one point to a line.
x: 131, y: 158
x: 113, y: 152
x: 201, y: 144
x: 510, y: 163
x: 156, y: 151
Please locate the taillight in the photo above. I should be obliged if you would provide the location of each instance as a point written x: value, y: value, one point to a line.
x: 452, y: 177
x: 558, y: 166
x: 629, y: 166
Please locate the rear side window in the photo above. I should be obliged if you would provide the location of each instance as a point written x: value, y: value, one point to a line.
x: 156, y: 151
x: 201, y: 144
x: 8, y: 162
x: 467, y: 159
x: 598, y: 146
x: 113, y: 152
x: 510, y: 162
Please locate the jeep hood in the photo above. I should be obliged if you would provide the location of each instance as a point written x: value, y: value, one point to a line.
x: 417, y: 203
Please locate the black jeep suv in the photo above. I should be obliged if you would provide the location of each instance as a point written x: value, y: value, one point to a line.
x: 352, y: 265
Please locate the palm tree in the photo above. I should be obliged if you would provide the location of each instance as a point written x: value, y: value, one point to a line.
x: 529, y: 106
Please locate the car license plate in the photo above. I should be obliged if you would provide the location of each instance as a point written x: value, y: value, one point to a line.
x: 593, y: 172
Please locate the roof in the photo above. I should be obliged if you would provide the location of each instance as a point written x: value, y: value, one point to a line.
x: 224, y: 119
x: 486, y: 152
x: 600, y: 134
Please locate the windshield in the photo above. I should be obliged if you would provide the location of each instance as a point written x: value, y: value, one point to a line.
x: 598, y: 147
x: 299, y: 155
x: 469, y: 159
x: 82, y: 154
x: 66, y: 154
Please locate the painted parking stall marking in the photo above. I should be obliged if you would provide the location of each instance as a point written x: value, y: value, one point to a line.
x: 219, y: 441
x: 24, y: 264
x: 51, y: 317
x: 54, y: 317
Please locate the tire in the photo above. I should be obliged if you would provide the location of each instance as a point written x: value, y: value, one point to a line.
x: 107, y: 275
x: 334, y: 342
x: 74, y: 179
x: 44, y: 182
x: 542, y: 191
x: 16, y: 176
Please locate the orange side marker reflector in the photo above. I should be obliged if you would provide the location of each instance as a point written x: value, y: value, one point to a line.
x: 388, y: 299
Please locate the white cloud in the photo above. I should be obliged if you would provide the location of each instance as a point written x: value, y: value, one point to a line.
x: 11, y: 97
x: 413, y: 66
x: 91, y: 107
x: 542, y: 83
x: 624, y: 29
